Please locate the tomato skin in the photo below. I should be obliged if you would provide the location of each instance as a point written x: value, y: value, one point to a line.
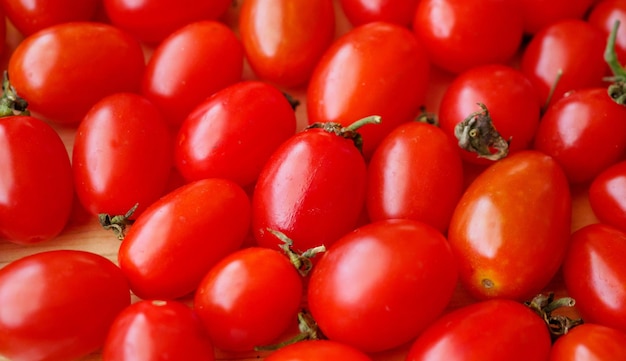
x: 176, y: 82
x: 58, y: 305
x: 538, y: 14
x: 607, y: 195
x: 415, y: 173
x: 360, y: 12
x: 584, y: 132
x: 157, y: 330
x: 284, y: 39
x: 399, y: 261
x: 174, y: 242
x: 488, y: 330
x: 250, y: 298
x: 499, y: 255
x: 603, y: 15
x: 317, y: 350
x: 30, y: 16
x: 590, y: 342
x: 122, y: 155
x: 232, y: 133
x: 36, y: 187
x: 65, y: 69
x: 364, y: 57
x: 594, y: 274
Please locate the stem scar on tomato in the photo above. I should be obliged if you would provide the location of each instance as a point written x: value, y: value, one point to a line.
x: 617, y: 90
x: 349, y: 132
x: 117, y: 223
x: 477, y: 134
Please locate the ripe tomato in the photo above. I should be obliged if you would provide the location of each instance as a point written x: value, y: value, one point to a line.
x: 318, y: 350
x: 461, y: 34
x: 379, y: 286
x: 232, y: 133
x: 175, y: 242
x: 511, y: 228
x: 176, y: 81
x: 603, y: 15
x: 588, y: 342
x: 30, y: 16
x: 58, y: 305
x: 157, y: 330
x: 284, y: 39
x: 538, y: 14
x: 489, y: 330
x: 378, y: 68
x: 607, y: 195
x: 65, y: 69
x: 584, y: 132
x: 249, y: 299
x: 36, y: 189
x: 122, y: 155
x: 415, y: 173
x: 594, y: 273
x: 360, y: 12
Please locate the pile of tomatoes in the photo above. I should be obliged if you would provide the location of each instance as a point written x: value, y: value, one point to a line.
x: 314, y: 180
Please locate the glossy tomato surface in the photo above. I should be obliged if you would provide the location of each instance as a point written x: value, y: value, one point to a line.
x: 603, y: 15
x: 318, y: 350
x: 360, y: 12
x: 30, y: 16
x: 607, y: 195
x: 590, y: 342
x: 538, y: 14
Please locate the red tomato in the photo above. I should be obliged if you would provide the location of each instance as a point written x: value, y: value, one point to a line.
x: 461, y: 34
x: 511, y: 227
x: 538, y: 14
x: 317, y: 350
x: 594, y: 273
x: 65, y: 69
x: 157, y: 330
x: 415, y: 173
x: 177, y: 81
x: 584, y: 132
x: 175, y: 242
x: 360, y: 12
x: 58, y: 305
x: 30, y: 16
x: 284, y: 39
x: 607, y: 195
x: 36, y: 189
x: 379, y: 286
x: 378, y: 68
x: 232, y: 133
x: 249, y: 299
x: 491, y: 330
x: 122, y: 155
x: 590, y: 342
x: 579, y: 57
x: 603, y: 15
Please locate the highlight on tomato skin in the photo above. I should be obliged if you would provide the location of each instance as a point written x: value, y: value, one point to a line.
x: 607, y: 195
x: 590, y: 340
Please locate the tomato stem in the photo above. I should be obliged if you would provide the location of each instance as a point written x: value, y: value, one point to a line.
x: 617, y: 90
x: 117, y: 223
x: 477, y: 134
x: 349, y: 132
x: 308, y: 331
x: 557, y: 79
x: 427, y: 117
x: 301, y: 261
x: 545, y: 305
x: 10, y: 102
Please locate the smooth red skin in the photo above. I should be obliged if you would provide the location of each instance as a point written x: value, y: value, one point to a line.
x: 538, y: 14
x: 233, y: 133
x: 491, y: 330
x: 157, y: 330
x: 461, y: 34
x: 174, y: 243
x: 36, y: 188
x: 379, y: 286
x: 190, y: 65
x: 590, y: 342
x: 603, y: 15
x: 490, y: 242
x: 510, y: 97
x: 30, y: 16
x: 607, y: 195
x: 285, y: 39
x: 360, y: 12
x: 375, y: 69
x: 594, y: 273
x: 312, y: 189
x: 250, y: 298
x: 317, y: 350
x: 122, y: 155
x: 58, y: 305
x: 584, y: 132
x: 415, y: 173
x: 579, y: 57
x: 65, y: 69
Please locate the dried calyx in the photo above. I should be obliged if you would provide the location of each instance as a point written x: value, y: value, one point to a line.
x: 617, y: 88
x: 477, y: 134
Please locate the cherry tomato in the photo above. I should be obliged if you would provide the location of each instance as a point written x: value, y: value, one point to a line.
x: 590, y: 342
x: 36, y: 188
x: 30, y: 16
x: 175, y: 242
x: 378, y: 68
x: 318, y: 350
x: 379, y: 286
x: 538, y: 14
x: 58, y: 305
x: 489, y: 330
x: 511, y: 228
x: 122, y: 155
x: 594, y: 274
x: 189, y: 65
x: 461, y: 34
x: 157, y: 330
x: 603, y: 15
x: 584, y: 132
x: 607, y: 195
x: 250, y: 298
x: 65, y: 69
x: 232, y: 133
x: 415, y: 173
x: 360, y: 12
x: 284, y: 39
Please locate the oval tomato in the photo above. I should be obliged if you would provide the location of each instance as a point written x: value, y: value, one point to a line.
x: 607, y: 195
x: 603, y: 15
x: 58, y: 305
x: 590, y: 342
x: 511, y: 227
x: 318, y: 350
x: 360, y: 12
x: 30, y: 16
